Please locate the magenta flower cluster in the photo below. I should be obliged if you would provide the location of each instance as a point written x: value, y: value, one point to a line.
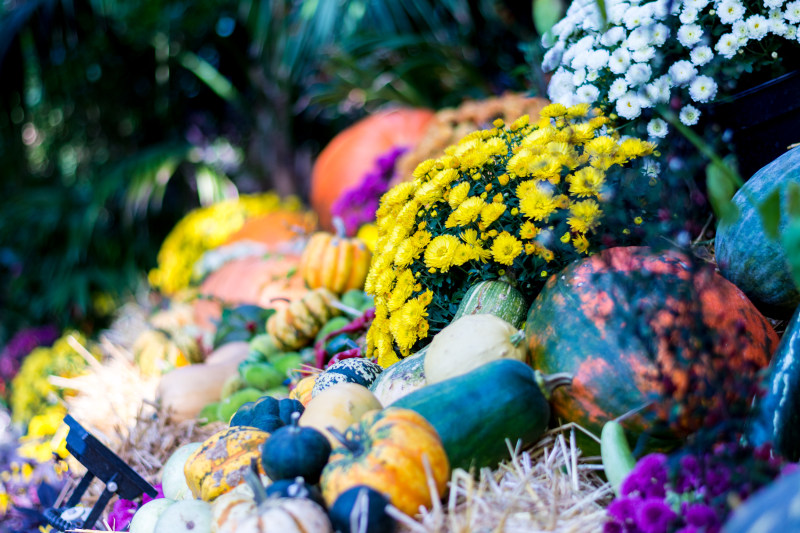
x: 357, y: 206
x: 21, y: 345
x: 689, y: 492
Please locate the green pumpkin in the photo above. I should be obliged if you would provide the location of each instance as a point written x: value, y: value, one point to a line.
x: 267, y: 413
x: 358, y: 505
x: 294, y: 451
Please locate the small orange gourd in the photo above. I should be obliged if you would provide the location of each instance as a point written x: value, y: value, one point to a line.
x: 387, y: 450
x: 334, y: 261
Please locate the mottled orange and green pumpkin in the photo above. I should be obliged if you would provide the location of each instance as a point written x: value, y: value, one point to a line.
x: 296, y: 325
x: 219, y: 464
x: 624, y: 323
x: 385, y: 451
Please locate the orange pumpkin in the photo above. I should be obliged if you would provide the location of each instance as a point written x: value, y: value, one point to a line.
x: 274, y: 228
x: 335, y: 262
x: 343, y: 162
x: 302, y: 390
x: 385, y: 451
x: 249, y: 280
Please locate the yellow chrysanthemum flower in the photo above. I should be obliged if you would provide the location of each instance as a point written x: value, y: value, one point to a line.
x: 505, y: 248
x: 423, y: 168
x: 458, y: 194
x: 584, y: 216
x: 553, y: 111
x: 538, y: 203
x: 587, y: 181
x: 581, y: 243
x: 467, y: 212
x: 440, y: 252
x: 464, y: 253
x: 492, y: 212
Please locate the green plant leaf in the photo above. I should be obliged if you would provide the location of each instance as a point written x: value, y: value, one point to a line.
x: 790, y: 239
x: 770, y: 212
x: 720, y: 193
x: 793, y: 199
x: 546, y: 13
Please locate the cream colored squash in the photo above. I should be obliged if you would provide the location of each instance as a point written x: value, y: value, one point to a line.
x: 230, y: 510
x: 146, y: 517
x: 339, y: 406
x: 472, y: 341
x: 173, y: 479
x: 185, y: 516
x: 186, y: 390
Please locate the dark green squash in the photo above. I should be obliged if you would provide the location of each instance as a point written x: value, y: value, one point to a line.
x: 771, y: 509
x: 494, y: 297
x: 776, y: 414
x: 294, y: 451
x: 746, y: 255
x: 267, y: 413
x: 476, y: 412
x: 357, y: 504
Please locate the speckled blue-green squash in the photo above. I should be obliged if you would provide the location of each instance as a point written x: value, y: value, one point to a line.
x: 776, y: 415
x: 746, y: 256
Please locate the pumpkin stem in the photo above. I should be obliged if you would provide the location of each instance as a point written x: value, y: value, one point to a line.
x: 295, y: 419
x: 254, y: 482
x: 352, y: 445
x: 517, y: 337
x: 549, y: 383
x: 338, y: 225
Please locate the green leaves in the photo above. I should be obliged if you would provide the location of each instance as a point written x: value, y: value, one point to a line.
x: 547, y: 12
x: 721, y: 189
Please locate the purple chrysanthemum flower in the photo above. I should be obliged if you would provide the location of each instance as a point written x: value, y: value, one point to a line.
x: 20, y: 345
x: 653, y: 515
x: 357, y: 206
x: 701, y: 516
x: 648, y: 477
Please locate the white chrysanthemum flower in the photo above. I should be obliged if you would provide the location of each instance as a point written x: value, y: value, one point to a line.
x: 688, y: 16
x: 773, y: 4
x: 636, y: 17
x: 682, y: 72
x: 791, y: 32
x: 616, y: 12
x: 614, y: 35
x: 651, y: 168
x: 592, y: 75
x: 663, y: 8
x: 757, y: 27
x: 628, y: 105
x: 553, y: 56
x: 657, y: 128
x: 775, y: 14
x: 701, y: 55
x: 638, y: 38
x: 578, y: 60
x: 620, y: 61
x: 689, y: 115
x: 703, y: 89
x: 617, y: 89
x: 792, y: 12
x: 560, y: 85
x: 658, y: 91
x: 578, y: 77
x: 778, y: 27
x: 728, y: 45
x: 729, y: 11
x: 587, y: 94
x: 638, y: 74
x: 659, y: 34
x: 690, y: 34
x: 643, y: 55
x: 597, y: 59
x: 739, y: 29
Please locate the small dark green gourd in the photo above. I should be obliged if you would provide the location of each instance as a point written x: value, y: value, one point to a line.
x: 358, y: 504
x: 267, y: 413
x: 295, y: 488
x: 294, y: 451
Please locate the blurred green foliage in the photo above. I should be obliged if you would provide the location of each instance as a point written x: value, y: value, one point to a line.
x: 117, y: 117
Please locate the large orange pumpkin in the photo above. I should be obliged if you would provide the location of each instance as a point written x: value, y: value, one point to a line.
x: 274, y: 228
x: 265, y: 281
x: 343, y: 162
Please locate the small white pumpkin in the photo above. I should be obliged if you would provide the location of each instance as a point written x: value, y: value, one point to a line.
x: 472, y: 341
x: 146, y: 517
x: 338, y: 406
x: 185, y: 516
x: 173, y: 478
x: 231, y: 509
x: 287, y: 515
